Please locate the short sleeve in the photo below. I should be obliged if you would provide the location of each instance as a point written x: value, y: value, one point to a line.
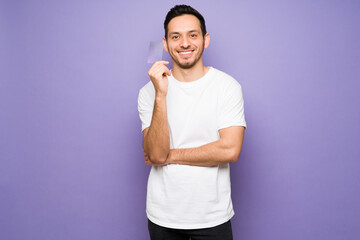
x: 231, y: 112
x: 146, y: 105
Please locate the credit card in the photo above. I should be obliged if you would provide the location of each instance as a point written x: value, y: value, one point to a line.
x: 155, y: 52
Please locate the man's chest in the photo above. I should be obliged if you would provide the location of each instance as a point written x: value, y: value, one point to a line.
x: 192, y: 116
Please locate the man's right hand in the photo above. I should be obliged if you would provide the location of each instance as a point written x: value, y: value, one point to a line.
x: 158, y: 74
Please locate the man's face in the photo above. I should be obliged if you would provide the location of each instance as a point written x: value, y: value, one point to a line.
x: 185, y: 42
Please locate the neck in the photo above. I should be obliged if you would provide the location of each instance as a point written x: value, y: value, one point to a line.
x: 190, y: 74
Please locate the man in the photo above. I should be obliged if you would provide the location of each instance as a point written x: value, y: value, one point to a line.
x: 193, y: 126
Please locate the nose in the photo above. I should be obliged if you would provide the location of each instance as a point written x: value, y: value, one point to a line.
x: 185, y: 43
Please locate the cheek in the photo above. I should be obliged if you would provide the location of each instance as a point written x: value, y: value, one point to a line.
x: 199, y: 43
x: 171, y: 47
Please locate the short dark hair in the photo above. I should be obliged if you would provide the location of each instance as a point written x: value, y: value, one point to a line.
x: 179, y: 10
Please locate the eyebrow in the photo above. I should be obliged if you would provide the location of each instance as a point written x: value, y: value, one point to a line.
x: 171, y: 33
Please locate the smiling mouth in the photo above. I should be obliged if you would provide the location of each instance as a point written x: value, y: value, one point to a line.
x: 186, y: 53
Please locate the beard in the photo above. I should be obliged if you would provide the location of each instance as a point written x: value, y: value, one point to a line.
x: 188, y: 65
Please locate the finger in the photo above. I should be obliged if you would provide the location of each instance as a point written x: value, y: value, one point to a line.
x: 167, y: 71
x: 157, y: 69
x: 159, y: 63
x: 161, y: 71
x: 146, y: 157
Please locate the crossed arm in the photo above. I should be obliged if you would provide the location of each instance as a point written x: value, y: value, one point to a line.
x: 156, y: 140
x: 226, y: 149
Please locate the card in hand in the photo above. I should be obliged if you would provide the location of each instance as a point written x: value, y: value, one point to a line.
x: 155, y: 52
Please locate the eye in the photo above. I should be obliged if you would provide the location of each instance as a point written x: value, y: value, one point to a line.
x: 175, y: 37
x: 193, y: 35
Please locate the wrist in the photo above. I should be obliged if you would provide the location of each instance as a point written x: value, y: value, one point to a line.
x: 171, y: 156
x: 160, y: 96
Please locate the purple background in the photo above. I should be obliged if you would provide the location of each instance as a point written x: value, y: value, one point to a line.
x: 70, y: 139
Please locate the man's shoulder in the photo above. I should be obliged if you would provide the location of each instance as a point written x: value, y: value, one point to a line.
x: 147, y: 88
x: 146, y: 94
x: 224, y: 78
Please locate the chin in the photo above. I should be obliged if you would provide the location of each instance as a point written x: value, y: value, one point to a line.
x: 187, y: 63
x: 187, y: 66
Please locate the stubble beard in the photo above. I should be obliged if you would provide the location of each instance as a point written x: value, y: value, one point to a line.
x: 188, y: 65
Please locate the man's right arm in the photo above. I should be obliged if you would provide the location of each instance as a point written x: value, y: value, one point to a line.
x: 156, y: 139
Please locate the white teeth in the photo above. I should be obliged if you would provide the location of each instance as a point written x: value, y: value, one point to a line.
x: 185, y: 52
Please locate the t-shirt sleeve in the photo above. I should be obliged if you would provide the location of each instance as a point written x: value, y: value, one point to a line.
x: 232, y: 107
x: 145, y: 107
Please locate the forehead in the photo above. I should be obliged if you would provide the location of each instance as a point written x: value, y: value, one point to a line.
x: 184, y: 23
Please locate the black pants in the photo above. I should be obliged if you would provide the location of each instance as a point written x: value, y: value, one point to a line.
x: 221, y: 232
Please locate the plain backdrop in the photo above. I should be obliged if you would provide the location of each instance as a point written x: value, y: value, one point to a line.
x: 71, y: 161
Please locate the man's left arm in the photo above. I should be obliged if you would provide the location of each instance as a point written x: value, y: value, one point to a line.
x: 225, y: 150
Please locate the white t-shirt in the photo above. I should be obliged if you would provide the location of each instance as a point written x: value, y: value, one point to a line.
x: 192, y: 197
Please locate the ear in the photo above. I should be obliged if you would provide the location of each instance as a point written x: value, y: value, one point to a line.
x: 165, y: 44
x: 206, y: 40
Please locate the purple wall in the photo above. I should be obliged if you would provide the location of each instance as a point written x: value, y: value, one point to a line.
x: 71, y: 163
